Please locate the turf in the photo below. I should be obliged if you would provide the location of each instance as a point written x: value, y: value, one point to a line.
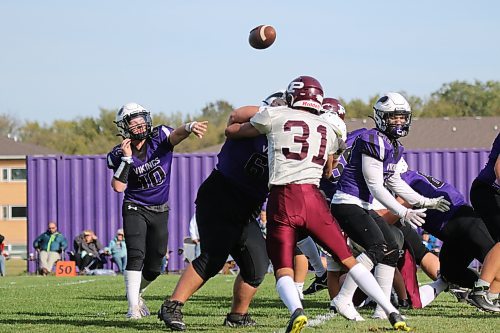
x: 97, y: 304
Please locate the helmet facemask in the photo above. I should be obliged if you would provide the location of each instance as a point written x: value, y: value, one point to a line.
x: 135, y: 126
x: 385, y: 123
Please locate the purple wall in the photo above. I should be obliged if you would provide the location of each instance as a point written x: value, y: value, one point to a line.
x: 75, y: 191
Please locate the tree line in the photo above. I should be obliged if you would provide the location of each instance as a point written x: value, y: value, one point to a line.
x: 89, y: 135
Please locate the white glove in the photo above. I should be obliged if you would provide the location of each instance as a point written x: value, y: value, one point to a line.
x: 415, y: 217
x: 440, y: 204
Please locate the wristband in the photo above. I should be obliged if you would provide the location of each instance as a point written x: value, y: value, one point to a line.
x: 189, y: 126
x: 121, y: 174
x: 127, y: 159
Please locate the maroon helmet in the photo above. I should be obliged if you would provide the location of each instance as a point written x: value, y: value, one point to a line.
x: 305, y: 92
x: 333, y: 105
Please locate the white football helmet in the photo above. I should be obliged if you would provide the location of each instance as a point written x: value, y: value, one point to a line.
x: 275, y: 99
x: 388, y: 105
x: 128, y: 112
x: 338, y: 124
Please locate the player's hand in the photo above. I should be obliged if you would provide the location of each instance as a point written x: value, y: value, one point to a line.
x: 415, y: 217
x: 440, y: 204
x: 199, y: 128
x: 126, y: 148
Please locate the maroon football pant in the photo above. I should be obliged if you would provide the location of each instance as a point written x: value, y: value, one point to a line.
x: 300, y: 209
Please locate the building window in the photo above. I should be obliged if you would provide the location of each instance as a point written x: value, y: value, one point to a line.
x: 14, y: 213
x: 14, y: 174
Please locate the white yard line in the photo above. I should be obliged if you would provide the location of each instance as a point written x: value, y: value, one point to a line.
x: 16, y: 285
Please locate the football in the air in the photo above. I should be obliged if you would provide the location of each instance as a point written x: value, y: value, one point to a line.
x: 262, y: 37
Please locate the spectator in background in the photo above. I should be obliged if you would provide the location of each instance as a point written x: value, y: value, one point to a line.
x: 49, y: 245
x: 89, y: 251
x: 118, y: 250
x: 3, y: 255
x: 195, y: 236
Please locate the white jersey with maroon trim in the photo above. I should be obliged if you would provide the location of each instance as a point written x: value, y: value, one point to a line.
x: 299, y: 144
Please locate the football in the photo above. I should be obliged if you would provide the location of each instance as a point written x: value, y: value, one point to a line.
x: 262, y: 37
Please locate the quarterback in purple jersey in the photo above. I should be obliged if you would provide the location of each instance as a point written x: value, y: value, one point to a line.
x: 485, y: 191
x: 141, y: 165
x: 227, y: 205
x: 370, y: 167
x: 302, y: 148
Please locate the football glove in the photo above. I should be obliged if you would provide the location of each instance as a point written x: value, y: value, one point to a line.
x: 415, y: 217
x: 440, y: 204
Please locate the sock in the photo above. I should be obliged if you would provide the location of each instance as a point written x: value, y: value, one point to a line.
x: 348, y: 289
x: 309, y: 249
x: 288, y: 293
x: 132, y: 286
x: 481, y: 283
x: 384, y: 275
x: 369, y: 285
x: 300, y: 288
x: 144, y: 284
x: 430, y: 291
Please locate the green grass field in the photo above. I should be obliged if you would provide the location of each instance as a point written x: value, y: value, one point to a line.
x: 97, y: 304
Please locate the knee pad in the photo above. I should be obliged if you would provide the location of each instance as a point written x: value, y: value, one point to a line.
x: 207, y: 267
x: 254, y: 281
x: 391, y: 258
x: 376, y: 253
x: 135, y: 260
x: 150, y: 275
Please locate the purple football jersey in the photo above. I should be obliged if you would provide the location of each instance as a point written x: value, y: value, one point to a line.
x: 148, y: 180
x: 374, y: 144
x: 487, y: 175
x: 244, y: 162
x: 431, y: 187
x: 329, y: 186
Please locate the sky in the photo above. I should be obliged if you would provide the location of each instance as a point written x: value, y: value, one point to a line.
x: 60, y: 60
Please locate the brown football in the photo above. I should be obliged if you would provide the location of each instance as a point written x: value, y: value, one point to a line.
x: 262, y: 37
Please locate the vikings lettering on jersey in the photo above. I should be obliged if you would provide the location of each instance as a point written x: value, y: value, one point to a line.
x: 244, y: 162
x: 329, y: 186
x: 431, y: 187
x: 149, y: 179
x: 299, y: 144
x: 487, y: 175
x: 374, y: 144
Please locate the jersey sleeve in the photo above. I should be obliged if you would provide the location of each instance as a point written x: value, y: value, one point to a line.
x: 372, y: 145
x: 262, y: 120
x: 114, y: 157
x: 164, y: 134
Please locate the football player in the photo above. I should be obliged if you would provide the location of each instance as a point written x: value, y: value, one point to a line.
x: 302, y: 148
x: 371, y: 162
x: 227, y: 205
x: 141, y: 165
x: 485, y: 191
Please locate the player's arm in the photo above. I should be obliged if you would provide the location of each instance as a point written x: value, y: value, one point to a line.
x: 242, y: 115
x: 373, y: 173
x: 389, y: 216
x: 331, y: 163
x: 198, y: 128
x: 120, y: 176
x: 260, y: 123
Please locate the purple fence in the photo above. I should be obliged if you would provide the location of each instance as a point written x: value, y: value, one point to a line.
x: 75, y: 191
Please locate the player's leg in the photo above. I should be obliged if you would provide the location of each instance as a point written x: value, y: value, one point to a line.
x: 326, y: 232
x: 310, y: 250
x: 135, y: 228
x: 251, y: 256
x: 156, y: 248
x: 285, y: 210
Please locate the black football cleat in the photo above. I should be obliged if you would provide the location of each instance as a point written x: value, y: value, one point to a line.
x: 297, y: 321
x: 479, y: 298
x: 318, y: 284
x: 239, y: 320
x: 171, y: 314
x: 398, y: 323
